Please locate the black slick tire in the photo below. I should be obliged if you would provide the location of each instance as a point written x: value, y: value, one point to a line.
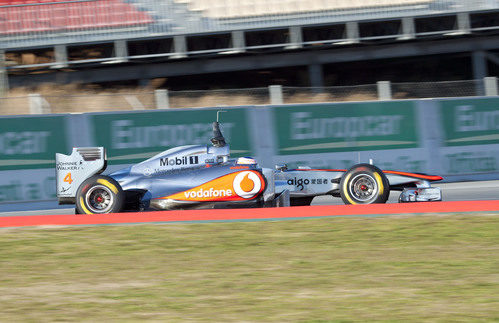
x: 99, y: 195
x: 364, y: 184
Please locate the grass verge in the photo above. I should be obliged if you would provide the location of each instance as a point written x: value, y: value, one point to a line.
x: 419, y: 268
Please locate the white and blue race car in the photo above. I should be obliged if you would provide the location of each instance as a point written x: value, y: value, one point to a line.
x: 204, y: 176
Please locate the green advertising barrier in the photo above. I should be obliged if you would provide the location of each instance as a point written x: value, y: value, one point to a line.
x: 27, y: 185
x: 308, y: 129
x: 133, y: 137
x: 471, y: 122
x: 471, y: 135
x: 31, y: 142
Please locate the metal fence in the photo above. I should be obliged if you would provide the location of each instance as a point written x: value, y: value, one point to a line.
x: 421, y: 90
x: 28, y: 24
x: 14, y: 105
x: 100, y: 102
x: 56, y: 102
x: 330, y: 94
x: 214, y: 98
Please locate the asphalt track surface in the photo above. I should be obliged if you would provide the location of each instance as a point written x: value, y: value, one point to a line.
x: 463, y: 191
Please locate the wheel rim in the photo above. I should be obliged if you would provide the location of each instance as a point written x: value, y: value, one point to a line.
x: 363, y: 187
x: 99, y: 199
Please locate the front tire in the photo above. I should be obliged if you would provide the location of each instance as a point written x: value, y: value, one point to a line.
x: 99, y: 195
x: 364, y: 184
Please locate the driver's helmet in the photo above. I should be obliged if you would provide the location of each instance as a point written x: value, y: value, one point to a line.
x: 246, y: 161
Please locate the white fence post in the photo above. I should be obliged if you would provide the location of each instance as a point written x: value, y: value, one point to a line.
x: 162, y: 99
x: 4, y: 80
x: 490, y: 84
x: 384, y: 90
x: 275, y: 92
x: 37, y: 104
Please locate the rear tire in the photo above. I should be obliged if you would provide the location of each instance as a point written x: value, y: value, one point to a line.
x: 364, y: 184
x: 99, y: 195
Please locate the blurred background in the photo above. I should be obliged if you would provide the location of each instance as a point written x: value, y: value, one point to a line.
x: 73, y: 73
x: 142, y: 76
x: 99, y: 55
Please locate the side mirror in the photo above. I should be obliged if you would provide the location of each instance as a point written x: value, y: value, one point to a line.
x: 281, y: 168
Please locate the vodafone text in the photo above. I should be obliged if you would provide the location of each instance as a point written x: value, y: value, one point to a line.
x: 208, y: 193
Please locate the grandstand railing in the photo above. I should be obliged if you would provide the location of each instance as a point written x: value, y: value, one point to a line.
x: 31, y: 23
x: 275, y: 95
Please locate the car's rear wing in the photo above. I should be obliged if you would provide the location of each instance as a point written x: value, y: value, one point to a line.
x: 72, y: 170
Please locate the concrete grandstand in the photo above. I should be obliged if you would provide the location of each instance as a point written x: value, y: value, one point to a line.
x: 99, y: 41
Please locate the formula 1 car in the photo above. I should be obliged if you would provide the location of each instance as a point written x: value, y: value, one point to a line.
x: 203, y: 176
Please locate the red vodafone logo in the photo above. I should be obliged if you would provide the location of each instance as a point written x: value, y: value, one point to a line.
x: 247, y: 184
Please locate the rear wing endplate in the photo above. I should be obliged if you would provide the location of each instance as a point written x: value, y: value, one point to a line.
x: 72, y: 170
